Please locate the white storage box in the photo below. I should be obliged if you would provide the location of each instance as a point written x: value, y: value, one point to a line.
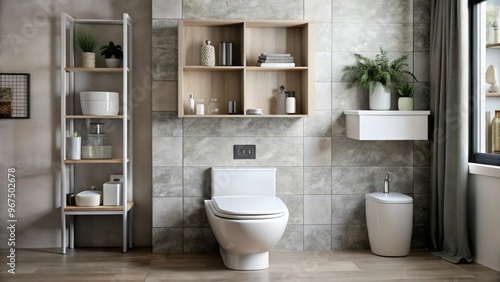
x: 89, y: 198
x: 112, y: 193
x: 99, y: 103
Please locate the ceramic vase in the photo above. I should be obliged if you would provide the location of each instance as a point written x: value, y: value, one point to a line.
x: 88, y: 60
x: 379, y: 98
x: 207, y: 54
x: 405, y: 103
x: 113, y: 63
x: 495, y: 133
x: 73, y: 148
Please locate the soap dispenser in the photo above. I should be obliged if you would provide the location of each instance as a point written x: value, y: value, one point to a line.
x: 280, y: 100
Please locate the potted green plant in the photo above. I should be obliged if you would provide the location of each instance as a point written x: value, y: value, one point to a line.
x: 112, y: 54
x: 377, y: 76
x: 405, y: 101
x: 86, y: 40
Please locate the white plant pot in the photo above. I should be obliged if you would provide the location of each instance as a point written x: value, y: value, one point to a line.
x: 88, y: 60
x: 405, y: 103
x: 73, y: 148
x: 113, y: 63
x: 379, y: 98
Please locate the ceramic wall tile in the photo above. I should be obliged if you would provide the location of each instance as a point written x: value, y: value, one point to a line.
x: 323, y: 95
x: 422, y: 37
x: 317, y: 209
x: 317, y: 151
x: 317, y: 180
x: 422, y: 179
x: 421, y: 206
x: 320, y: 125
x: 362, y: 180
x: 318, y: 10
x: 363, y: 37
x: 167, y: 240
x: 218, y: 151
x: 421, y: 66
x: 348, y: 209
x: 194, y: 212
x: 164, y: 96
x: 344, y: 98
x: 339, y: 61
x: 350, y: 152
x: 166, y: 124
x: 323, y: 66
x: 350, y: 237
x: 167, y: 9
x: 292, y: 240
x: 338, y: 123
x: 290, y: 180
x: 421, y: 97
x: 421, y: 152
x: 167, y: 151
x: 295, y: 205
x: 167, y: 181
x: 421, y: 11
x: 370, y: 11
x: 167, y: 212
x: 165, y: 49
x: 323, y: 37
x: 243, y: 127
x: 317, y: 237
x: 199, y: 240
x: 197, y: 181
x: 242, y: 9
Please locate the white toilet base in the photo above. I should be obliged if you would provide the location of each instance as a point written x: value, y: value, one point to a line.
x: 255, y: 261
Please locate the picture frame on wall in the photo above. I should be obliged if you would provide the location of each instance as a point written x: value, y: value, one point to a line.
x: 15, y: 95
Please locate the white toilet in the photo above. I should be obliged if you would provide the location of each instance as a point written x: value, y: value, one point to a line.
x: 245, y: 215
x: 389, y: 219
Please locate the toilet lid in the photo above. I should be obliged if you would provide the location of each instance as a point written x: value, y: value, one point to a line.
x: 249, y: 205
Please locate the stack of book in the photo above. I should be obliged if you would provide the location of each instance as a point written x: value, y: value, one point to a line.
x: 275, y: 60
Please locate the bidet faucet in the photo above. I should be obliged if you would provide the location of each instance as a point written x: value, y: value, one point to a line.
x: 386, y: 183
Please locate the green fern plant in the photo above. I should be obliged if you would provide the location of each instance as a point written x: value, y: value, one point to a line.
x: 86, y: 39
x: 380, y: 69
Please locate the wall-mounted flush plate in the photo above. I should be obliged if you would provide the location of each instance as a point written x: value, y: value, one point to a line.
x: 244, y: 152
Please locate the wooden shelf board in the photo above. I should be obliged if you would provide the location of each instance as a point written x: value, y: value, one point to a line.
x: 244, y: 116
x: 98, y: 208
x: 96, y: 161
x: 97, y: 70
x: 492, y: 94
x: 255, y: 68
x: 93, y: 116
x: 215, y: 68
x: 494, y: 45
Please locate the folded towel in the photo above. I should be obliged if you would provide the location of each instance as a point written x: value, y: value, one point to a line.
x: 274, y: 55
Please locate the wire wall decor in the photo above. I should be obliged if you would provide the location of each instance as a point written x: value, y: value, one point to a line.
x: 14, y: 95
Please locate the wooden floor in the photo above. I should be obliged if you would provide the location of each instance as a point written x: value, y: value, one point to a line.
x: 142, y: 265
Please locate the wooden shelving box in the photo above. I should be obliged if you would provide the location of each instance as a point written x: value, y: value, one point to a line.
x: 244, y: 82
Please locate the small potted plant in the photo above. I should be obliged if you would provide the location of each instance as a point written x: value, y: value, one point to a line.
x: 86, y: 40
x: 377, y: 77
x: 405, y: 101
x: 113, y: 54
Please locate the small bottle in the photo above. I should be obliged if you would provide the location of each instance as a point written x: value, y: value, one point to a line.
x: 191, y: 105
x: 280, y: 100
x: 222, y: 53
x: 496, y: 32
x: 207, y: 54
x: 213, y: 107
x: 290, y: 102
x: 200, y: 107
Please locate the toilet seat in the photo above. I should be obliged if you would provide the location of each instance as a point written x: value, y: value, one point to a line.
x: 247, y: 207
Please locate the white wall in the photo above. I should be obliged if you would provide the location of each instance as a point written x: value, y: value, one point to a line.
x: 484, y: 225
x: 29, y: 43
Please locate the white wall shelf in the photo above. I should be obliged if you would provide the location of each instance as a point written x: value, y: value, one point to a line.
x: 71, y: 117
x: 387, y: 125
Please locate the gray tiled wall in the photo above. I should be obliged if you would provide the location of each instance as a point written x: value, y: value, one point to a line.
x: 322, y: 175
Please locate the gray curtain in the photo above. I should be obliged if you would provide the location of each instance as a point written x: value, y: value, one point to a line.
x: 449, y: 91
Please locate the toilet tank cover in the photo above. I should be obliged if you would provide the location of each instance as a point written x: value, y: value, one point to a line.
x: 249, y: 205
x: 389, y: 198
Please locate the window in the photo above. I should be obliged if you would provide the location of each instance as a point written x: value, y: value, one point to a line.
x: 485, y: 80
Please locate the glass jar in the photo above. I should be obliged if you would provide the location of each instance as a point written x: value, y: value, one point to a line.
x: 213, y: 107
